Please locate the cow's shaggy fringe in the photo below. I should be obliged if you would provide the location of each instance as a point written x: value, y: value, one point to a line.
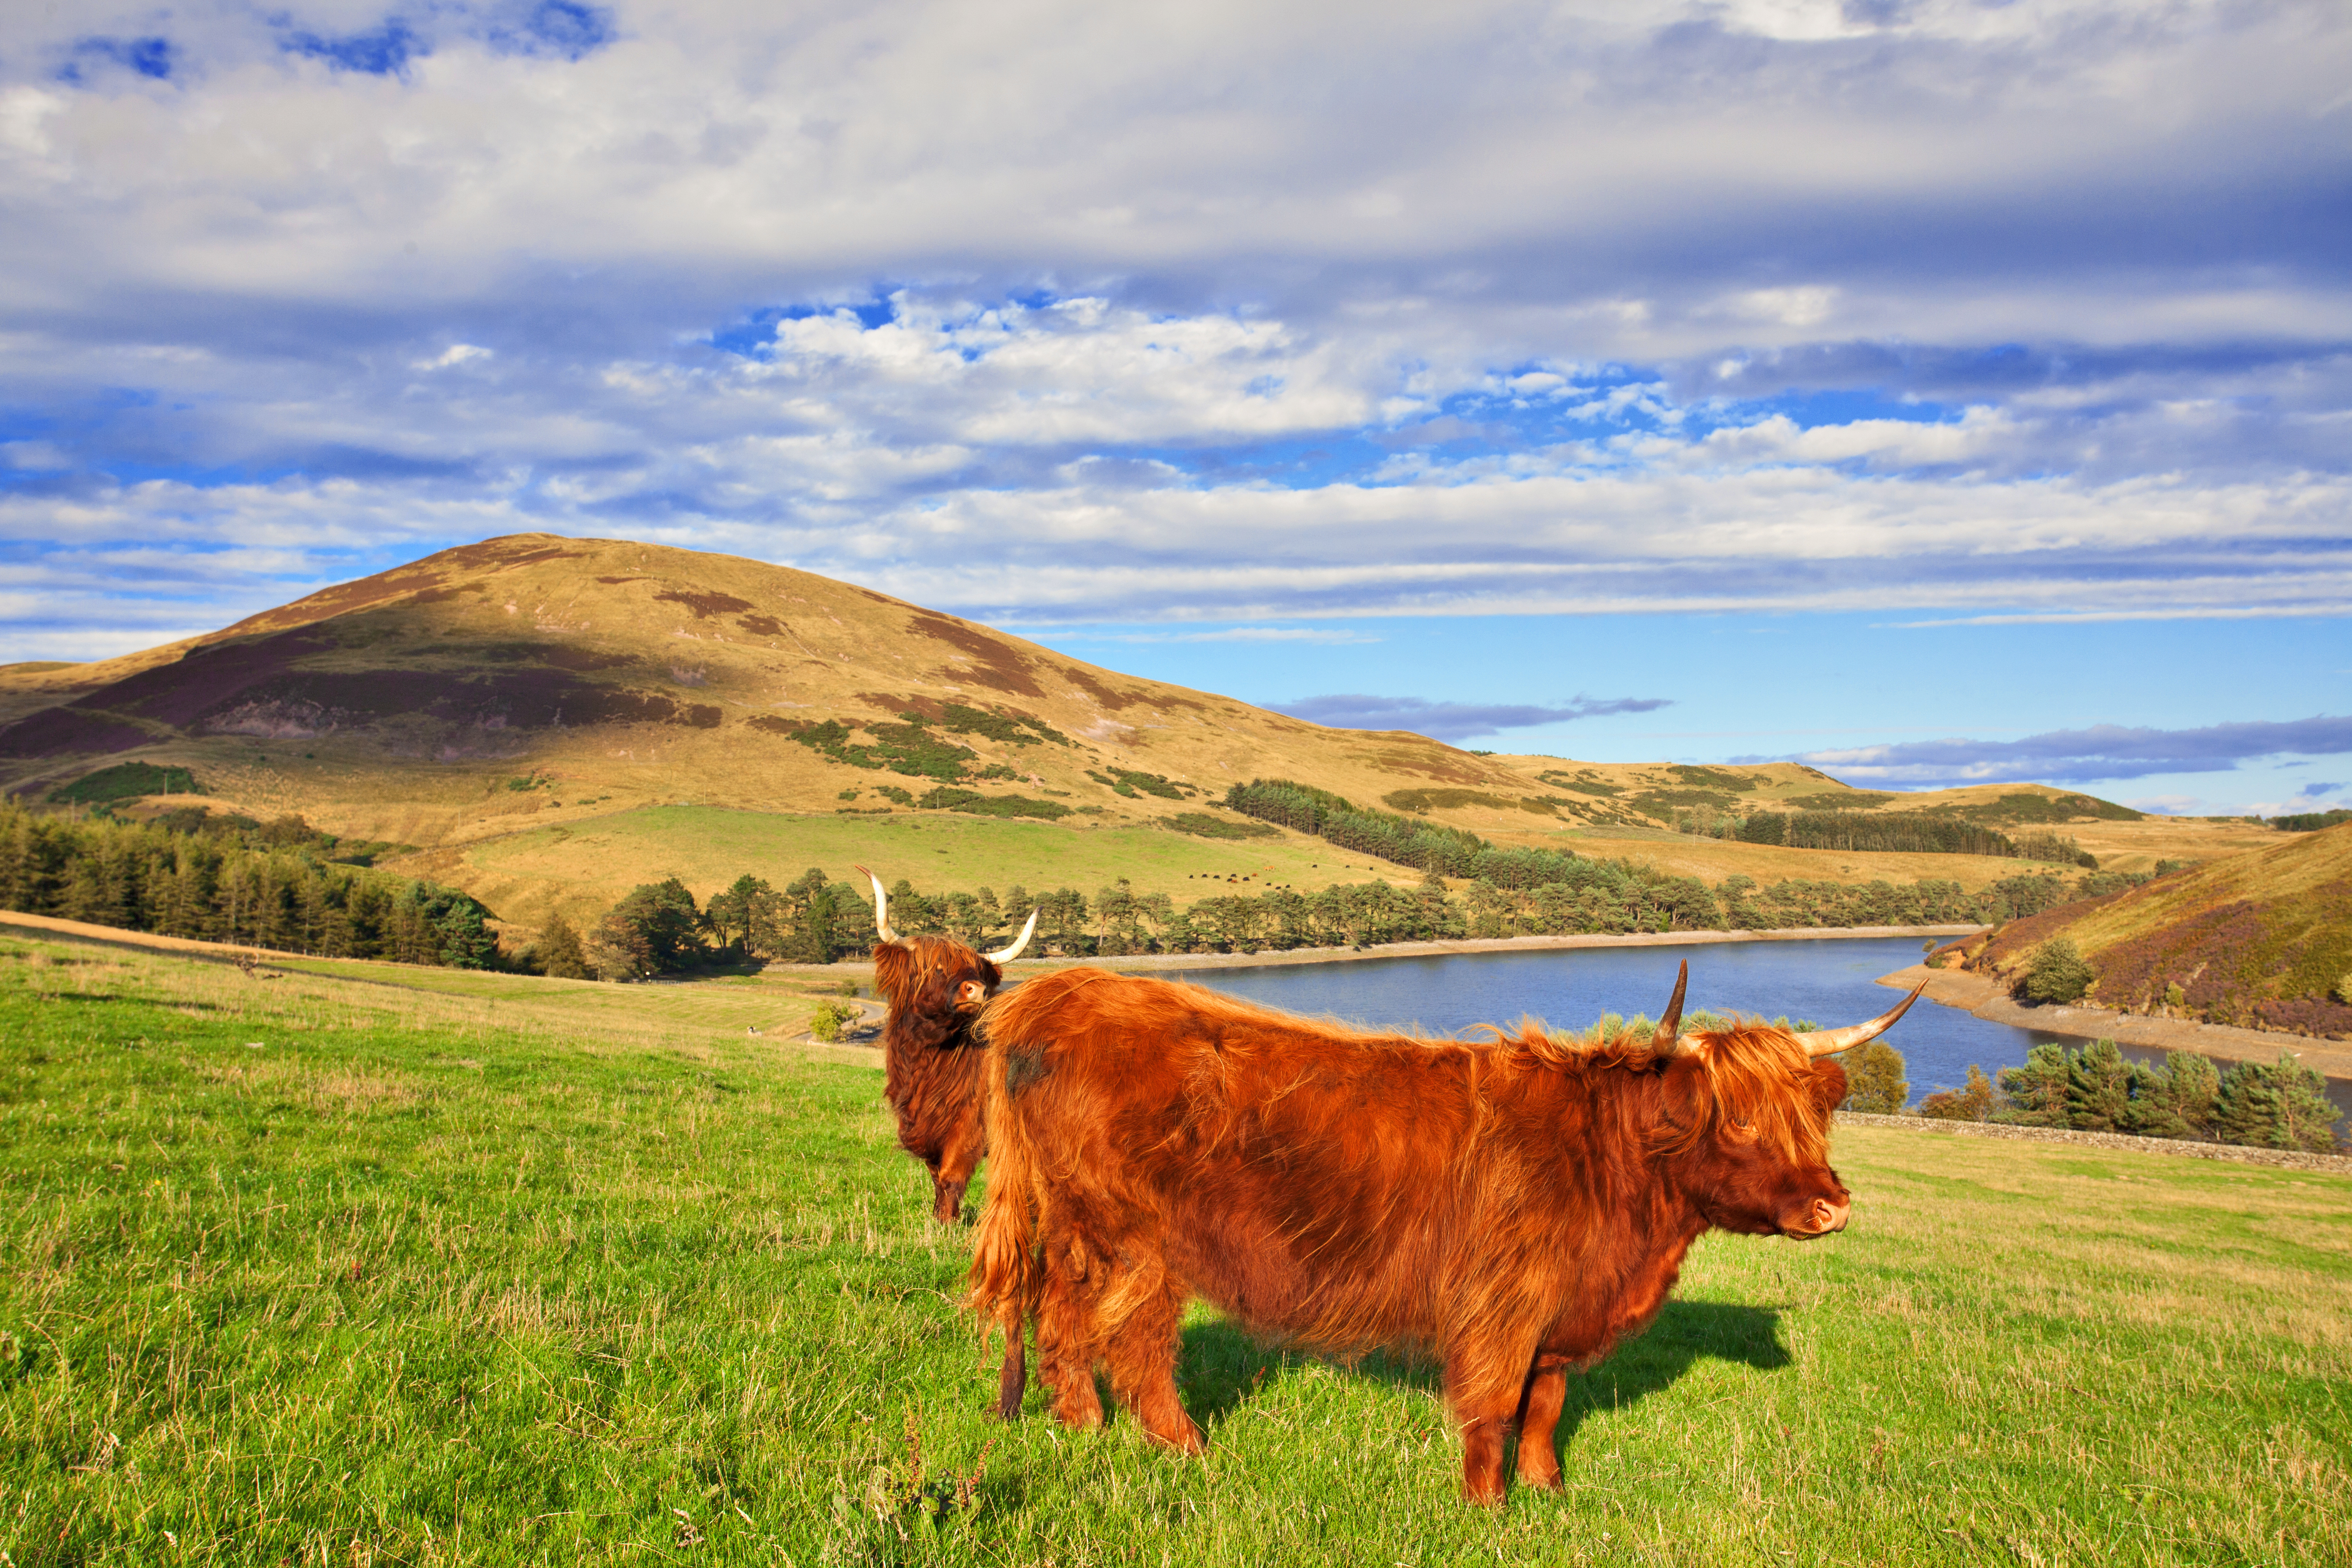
x: 931, y: 1062
x: 1153, y: 1139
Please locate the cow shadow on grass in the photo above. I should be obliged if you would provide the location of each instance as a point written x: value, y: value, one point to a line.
x: 1222, y: 1365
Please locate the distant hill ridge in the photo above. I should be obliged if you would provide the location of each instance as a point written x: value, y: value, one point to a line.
x: 536, y: 683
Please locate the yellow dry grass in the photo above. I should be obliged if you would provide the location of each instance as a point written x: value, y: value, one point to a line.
x: 2291, y: 866
x: 315, y: 995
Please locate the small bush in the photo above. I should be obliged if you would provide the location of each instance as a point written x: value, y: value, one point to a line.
x: 2058, y: 974
x: 825, y: 1023
x: 1874, y: 1080
x: 1972, y: 1104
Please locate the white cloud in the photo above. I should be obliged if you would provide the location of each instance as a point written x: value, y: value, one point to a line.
x: 454, y: 355
x: 1212, y: 311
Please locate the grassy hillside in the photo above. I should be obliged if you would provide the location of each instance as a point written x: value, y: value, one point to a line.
x: 324, y: 1270
x: 2261, y: 940
x: 532, y: 684
x: 582, y: 870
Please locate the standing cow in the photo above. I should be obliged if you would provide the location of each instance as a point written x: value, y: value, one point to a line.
x: 1516, y: 1205
x: 936, y: 987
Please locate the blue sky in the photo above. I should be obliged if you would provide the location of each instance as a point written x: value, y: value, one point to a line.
x: 1933, y: 389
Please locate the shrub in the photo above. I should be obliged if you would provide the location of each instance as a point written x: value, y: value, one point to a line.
x: 1971, y: 1103
x: 1874, y: 1080
x: 2058, y: 972
x: 825, y: 1023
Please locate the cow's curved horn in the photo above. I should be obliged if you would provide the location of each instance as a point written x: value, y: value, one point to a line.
x: 1007, y: 954
x: 1830, y: 1042
x: 881, y: 907
x: 1667, y: 1040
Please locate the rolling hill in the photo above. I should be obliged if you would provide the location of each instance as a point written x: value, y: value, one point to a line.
x: 544, y: 721
x: 2260, y: 940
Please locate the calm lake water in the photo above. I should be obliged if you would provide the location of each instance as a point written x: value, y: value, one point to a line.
x: 1829, y: 982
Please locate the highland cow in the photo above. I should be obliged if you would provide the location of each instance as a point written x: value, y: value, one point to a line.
x: 936, y: 987
x: 1514, y: 1206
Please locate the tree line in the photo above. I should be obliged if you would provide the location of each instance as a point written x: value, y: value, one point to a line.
x: 1894, y: 832
x: 2094, y: 1089
x: 232, y: 879
x: 288, y: 886
x: 1457, y: 852
x: 660, y: 928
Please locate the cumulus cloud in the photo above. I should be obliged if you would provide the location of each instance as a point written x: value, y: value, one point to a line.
x: 2078, y: 756
x: 1451, y: 721
x: 1075, y: 313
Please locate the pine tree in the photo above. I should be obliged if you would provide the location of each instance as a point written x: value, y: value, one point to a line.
x: 2037, y: 1091
x: 2099, y: 1085
x: 2280, y: 1107
x: 559, y: 952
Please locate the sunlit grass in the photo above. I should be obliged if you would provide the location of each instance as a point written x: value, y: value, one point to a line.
x: 335, y: 1271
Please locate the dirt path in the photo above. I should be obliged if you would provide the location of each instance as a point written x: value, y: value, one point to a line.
x: 1991, y: 1000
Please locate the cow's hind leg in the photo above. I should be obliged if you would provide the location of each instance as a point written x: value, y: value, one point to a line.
x: 1143, y: 1363
x: 1539, y: 1407
x: 1013, y: 1377
x: 1065, y: 1340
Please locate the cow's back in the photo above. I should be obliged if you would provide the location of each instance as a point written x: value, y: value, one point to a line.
x: 1308, y: 1180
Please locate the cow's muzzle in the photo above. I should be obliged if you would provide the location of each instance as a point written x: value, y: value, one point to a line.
x: 1822, y: 1217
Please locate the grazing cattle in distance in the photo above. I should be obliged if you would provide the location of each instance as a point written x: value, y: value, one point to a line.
x: 1515, y: 1205
x: 936, y: 987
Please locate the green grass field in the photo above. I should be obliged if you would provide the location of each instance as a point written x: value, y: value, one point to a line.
x: 325, y: 1270
x: 583, y: 869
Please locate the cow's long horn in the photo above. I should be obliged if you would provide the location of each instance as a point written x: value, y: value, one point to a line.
x: 1830, y: 1042
x: 1007, y: 954
x: 881, y: 907
x: 1665, y: 1040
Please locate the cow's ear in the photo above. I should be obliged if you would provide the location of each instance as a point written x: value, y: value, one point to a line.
x: 1829, y: 1085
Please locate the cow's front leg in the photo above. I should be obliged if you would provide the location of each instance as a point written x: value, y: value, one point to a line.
x: 1547, y: 1390
x: 953, y: 1173
x: 1486, y: 1421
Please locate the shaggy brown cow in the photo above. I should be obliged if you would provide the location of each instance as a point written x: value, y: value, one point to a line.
x: 1516, y: 1205
x: 936, y: 987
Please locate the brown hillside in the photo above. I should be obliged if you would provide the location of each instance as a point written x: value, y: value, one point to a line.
x: 2258, y: 940
x: 536, y: 684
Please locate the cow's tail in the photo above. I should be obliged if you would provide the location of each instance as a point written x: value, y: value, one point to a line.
x: 1006, y: 1274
